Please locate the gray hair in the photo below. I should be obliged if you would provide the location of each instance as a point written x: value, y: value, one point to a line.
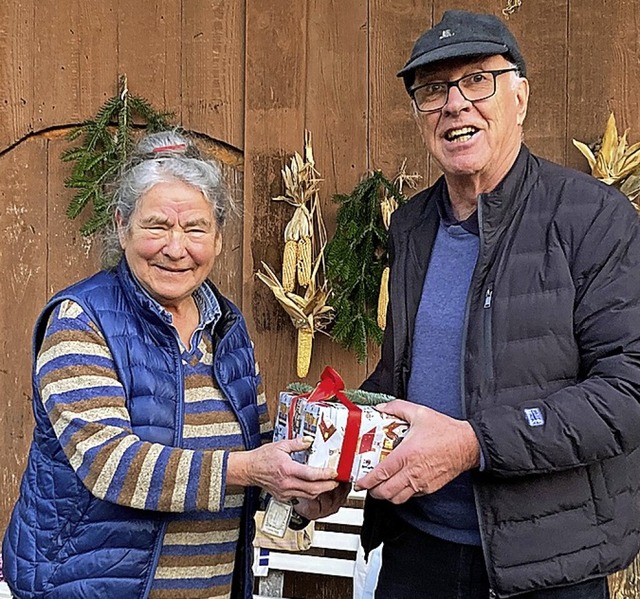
x: 161, y: 158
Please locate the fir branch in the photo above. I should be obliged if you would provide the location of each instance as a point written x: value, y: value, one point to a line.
x: 106, y: 144
x: 356, y: 396
x: 356, y: 257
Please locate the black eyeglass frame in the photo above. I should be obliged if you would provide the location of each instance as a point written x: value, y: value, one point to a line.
x: 455, y: 83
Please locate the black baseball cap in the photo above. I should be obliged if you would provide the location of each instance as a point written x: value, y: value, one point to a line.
x: 462, y: 33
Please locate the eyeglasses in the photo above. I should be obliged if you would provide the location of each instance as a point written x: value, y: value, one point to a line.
x: 432, y: 96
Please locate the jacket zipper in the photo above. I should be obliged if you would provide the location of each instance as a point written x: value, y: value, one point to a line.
x: 487, y: 321
x: 483, y: 541
x: 178, y: 435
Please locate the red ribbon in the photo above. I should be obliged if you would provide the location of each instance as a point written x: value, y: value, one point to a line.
x: 171, y: 148
x: 331, y: 386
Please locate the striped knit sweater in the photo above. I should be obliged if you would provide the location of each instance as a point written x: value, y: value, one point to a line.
x: 86, y: 405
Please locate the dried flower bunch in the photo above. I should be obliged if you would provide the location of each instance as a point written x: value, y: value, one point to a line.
x: 614, y: 162
x: 303, y: 265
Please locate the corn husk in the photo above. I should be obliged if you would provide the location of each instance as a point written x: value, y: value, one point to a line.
x: 303, y: 265
x: 615, y: 161
x: 308, y: 313
x: 626, y: 584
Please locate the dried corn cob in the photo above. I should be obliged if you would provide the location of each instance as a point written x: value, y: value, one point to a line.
x: 383, y: 299
x: 289, y: 261
x: 304, y: 261
x: 305, y: 345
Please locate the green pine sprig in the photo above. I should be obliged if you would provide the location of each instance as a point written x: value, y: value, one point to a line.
x: 356, y: 396
x: 106, y: 144
x: 356, y: 256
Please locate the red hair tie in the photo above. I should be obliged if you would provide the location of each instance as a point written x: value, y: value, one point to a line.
x: 173, y: 148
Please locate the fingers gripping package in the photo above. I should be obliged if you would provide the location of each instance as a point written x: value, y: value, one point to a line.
x: 348, y: 437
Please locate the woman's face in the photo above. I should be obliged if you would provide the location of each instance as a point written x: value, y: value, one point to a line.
x: 172, y: 241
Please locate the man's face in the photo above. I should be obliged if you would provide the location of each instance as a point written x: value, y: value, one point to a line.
x: 474, y: 139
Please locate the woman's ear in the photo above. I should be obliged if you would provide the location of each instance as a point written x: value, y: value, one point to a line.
x: 120, y: 228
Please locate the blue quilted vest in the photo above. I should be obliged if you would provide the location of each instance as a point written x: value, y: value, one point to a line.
x: 64, y: 543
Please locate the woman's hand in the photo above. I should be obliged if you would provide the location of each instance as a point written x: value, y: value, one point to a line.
x: 324, y: 505
x: 272, y: 468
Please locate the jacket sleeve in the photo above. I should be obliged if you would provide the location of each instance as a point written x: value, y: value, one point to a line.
x: 598, y: 417
x: 86, y: 405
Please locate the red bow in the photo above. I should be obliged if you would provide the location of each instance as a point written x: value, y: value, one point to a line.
x: 331, y: 386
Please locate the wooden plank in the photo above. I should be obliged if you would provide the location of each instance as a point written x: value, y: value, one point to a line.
x: 16, y: 75
x: 227, y: 270
x: 346, y: 515
x: 336, y: 540
x: 393, y: 134
x: 71, y: 256
x: 604, y: 71
x: 23, y: 281
x: 213, y: 69
x: 74, y: 60
x: 311, y: 564
x: 274, y: 129
x: 337, y: 105
x: 542, y: 37
x: 149, y: 51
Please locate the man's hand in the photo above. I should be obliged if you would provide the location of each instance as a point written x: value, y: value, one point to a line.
x: 436, y: 450
x: 324, y: 505
x: 272, y: 468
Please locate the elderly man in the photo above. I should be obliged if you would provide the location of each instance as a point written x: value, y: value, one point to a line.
x: 514, y: 335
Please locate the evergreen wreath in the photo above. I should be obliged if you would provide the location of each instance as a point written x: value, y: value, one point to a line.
x: 107, y: 141
x: 356, y: 256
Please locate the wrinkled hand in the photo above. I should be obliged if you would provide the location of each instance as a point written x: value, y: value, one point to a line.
x: 324, y: 505
x: 436, y: 450
x: 272, y: 468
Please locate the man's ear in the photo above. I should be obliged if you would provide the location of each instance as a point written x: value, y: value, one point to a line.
x: 522, y: 99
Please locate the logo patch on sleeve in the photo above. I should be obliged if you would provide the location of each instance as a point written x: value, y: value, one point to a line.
x: 534, y: 416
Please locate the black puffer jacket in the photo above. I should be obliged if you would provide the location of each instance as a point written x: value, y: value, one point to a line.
x: 553, y: 323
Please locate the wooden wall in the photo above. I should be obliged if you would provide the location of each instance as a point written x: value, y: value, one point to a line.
x: 251, y: 76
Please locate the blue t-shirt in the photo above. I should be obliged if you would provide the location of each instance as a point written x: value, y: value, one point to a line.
x: 436, y: 363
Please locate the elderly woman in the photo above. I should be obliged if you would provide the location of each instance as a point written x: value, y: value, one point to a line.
x: 151, y: 430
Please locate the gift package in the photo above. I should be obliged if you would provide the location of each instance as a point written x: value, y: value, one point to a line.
x: 347, y: 437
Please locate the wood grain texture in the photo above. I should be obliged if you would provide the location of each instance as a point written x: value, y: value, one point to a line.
x: 604, y: 71
x: 394, y: 136
x: 275, y: 84
x: 227, y: 270
x: 70, y: 256
x: 393, y: 133
x: 74, y: 61
x: 542, y: 37
x: 213, y: 69
x: 150, y: 51
x: 337, y: 117
x: 23, y: 251
x: 16, y: 74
